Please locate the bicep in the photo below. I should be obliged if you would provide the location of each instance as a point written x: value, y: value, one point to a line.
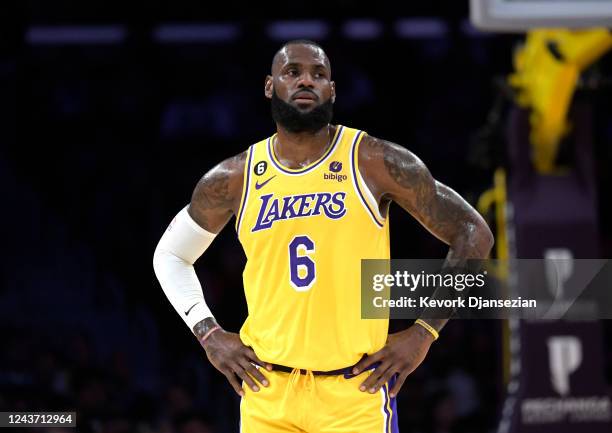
x: 215, y: 197
x: 409, y: 183
x: 444, y: 213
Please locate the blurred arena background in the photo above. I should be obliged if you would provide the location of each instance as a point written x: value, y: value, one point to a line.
x: 114, y: 110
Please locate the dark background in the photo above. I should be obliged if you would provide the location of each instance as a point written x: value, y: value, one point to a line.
x: 103, y: 144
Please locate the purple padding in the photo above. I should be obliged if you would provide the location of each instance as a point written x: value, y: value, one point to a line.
x: 553, y: 211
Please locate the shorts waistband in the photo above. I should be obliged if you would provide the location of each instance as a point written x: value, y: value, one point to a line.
x: 285, y: 369
x: 346, y: 371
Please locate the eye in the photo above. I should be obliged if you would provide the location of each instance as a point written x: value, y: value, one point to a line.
x: 292, y: 72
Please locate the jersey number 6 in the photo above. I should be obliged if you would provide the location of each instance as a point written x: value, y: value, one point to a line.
x: 301, y: 281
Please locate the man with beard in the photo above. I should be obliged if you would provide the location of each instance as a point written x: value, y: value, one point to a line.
x: 310, y: 202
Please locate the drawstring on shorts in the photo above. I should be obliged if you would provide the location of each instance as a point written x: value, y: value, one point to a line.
x: 310, y: 382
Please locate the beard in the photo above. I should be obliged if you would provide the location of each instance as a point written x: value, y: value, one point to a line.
x: 294, y: 120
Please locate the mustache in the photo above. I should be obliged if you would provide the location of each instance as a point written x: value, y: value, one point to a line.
x: 302, y: 91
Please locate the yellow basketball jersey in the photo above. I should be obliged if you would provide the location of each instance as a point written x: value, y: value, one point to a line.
x: 304, y: 232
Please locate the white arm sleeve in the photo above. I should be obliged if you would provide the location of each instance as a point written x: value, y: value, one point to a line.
x: 183, y: 242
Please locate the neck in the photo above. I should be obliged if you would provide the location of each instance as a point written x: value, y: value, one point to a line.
x: 296, y: 150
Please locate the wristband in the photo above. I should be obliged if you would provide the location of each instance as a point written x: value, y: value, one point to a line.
x: 429, y: 328
x: 203, y: 339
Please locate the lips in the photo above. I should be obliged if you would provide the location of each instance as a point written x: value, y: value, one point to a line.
x: 305, y: 95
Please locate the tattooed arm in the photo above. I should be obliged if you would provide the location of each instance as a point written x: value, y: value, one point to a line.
x: 217, y: 195
x: 215, y: 199
x: 395, y: 174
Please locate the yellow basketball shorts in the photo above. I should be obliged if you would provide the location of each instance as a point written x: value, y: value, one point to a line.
x: 309, y: 403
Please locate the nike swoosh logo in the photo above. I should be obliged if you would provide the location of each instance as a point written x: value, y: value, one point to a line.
x: 187, y: 312
x: 261, y: 185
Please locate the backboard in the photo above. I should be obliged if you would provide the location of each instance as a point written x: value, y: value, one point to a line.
x: 522, y: 15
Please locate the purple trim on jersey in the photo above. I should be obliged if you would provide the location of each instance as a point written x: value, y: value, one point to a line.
x: 246, y: 191
x: 306, y: 170
x: 356, y: 180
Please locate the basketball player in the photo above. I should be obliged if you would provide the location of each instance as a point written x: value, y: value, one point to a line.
x: 310, y: 202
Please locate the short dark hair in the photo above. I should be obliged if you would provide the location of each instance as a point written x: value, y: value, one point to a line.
x: 301, y: 42
x: 298, y: 42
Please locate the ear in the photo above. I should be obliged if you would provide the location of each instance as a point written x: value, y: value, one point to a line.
x: 333, y: 91
x: 268, y: 87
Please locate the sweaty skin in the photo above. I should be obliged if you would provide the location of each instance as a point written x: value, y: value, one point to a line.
x: 391, y: 172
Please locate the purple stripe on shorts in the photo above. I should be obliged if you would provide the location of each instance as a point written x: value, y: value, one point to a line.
x: 393, y: 404
x: 385, y: 404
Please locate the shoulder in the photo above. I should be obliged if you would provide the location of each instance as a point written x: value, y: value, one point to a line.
x: 228, y: 170
x: 386, y: 163
x: 385, y: 152
x: 233, y: 165
x: 221, y: 186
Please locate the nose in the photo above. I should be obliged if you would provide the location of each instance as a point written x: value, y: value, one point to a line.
x: 305, y: 80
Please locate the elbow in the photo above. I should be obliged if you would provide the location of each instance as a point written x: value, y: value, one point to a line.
x: 159, y: 253
x: 158, y: 259
x: 475, y: 240
x: 162, y: 259
x: 485, y: 239
x: 490, y: 240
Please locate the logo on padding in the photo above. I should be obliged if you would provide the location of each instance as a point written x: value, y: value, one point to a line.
x: 564, y: 358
